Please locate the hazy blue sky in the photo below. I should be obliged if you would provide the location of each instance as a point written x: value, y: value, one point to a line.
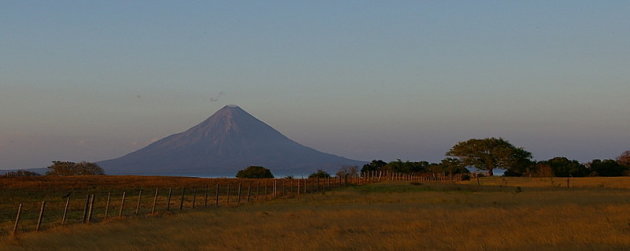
x: 93, y: 80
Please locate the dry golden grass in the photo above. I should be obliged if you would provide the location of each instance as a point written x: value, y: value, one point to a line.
x: 558, y: 182
x: 31, y: 191
x: 389, y: 216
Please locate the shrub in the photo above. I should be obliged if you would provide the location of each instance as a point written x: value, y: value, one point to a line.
x: 254, y: 172
x: 67, y: 168
x: 319, y: 174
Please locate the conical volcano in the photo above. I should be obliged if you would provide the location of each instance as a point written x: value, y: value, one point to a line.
x: 228, y: 141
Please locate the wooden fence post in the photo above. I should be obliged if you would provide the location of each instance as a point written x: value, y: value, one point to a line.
x: 194, y: 197
x: 275, y: 188
x: 17, y: 219
x: 89, y: 218
x: 205, y: 197
x: 238, y: 201
x: 85, y: 208
x: 168, y: 200
x: 154, y: 201
x: 41, y: 216
x: 65, y: 211
x: 257, y: 190
x: 181, y: 200
x: 138, y: 204
x: 122, y: 205
x: 109, y: 194
x: 217, y: 196
x: 298, y: 188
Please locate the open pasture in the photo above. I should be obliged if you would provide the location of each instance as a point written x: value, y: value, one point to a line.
x: 101, y: 198
x: 381, y: 216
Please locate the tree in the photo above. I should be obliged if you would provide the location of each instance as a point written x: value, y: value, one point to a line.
x: 488, y: 154
x: 624, y: 159
x: 21, y: 173
x: 319, y: 174
x: 398, y: 166
x: 254, y: 172
x: 67, y: 168
x: 351, y: 171
x: 563, y: 167
x: 452, y: 166
x: 606, y: 167
x: 521, y: 168
x: 375, y: 165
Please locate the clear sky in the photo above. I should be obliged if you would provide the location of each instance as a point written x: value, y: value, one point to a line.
x: 93, y: 80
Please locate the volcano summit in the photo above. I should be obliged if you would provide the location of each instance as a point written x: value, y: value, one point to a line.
x: 228, y: 141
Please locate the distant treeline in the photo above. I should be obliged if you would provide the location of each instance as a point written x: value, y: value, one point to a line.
x: 62, y: 168
x: 496, y: 153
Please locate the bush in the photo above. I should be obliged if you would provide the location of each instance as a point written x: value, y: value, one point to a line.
x: 67, y: 168
x: 254, y: 172
x: 319, y: 174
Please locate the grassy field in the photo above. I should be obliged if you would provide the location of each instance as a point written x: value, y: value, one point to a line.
x: 514, y: 214
x: 198, y: 192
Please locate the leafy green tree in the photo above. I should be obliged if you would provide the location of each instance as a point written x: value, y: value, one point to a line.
x: 563, y: 167
x: 67, y: 168
x: 606, y: 167
x: 375, y: 165
x: 254, y: 172
x: 488, y: 154
x: 319, y: 174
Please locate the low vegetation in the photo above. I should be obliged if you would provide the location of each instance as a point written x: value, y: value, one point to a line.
x: 255, y: 172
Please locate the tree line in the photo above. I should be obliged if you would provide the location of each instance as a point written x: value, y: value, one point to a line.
x: 489, y: 154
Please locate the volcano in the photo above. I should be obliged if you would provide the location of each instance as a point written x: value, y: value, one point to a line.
x: 229, y: 140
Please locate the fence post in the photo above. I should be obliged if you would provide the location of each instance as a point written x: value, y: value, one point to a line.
x: 138, y: 204
x: 217, y: 196
x: 89, y: 218
x: 238, y: 201
x: 65, y: 211
x: 109, y: 194
x: 194, y: 197
x: 181, y: 200
x: 122, y: 205
x: 275, y: 188
x: 17, y: 219
x: 298, y: 188
x: 154, y: 201
x: 41, y: 216
x: 205, y: 197
x: 168, y: 200
x: 85, y: 208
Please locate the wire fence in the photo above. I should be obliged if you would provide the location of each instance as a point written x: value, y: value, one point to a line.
x: 86, y: 206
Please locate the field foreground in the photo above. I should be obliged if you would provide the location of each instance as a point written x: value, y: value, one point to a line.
x: 385, y: 216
